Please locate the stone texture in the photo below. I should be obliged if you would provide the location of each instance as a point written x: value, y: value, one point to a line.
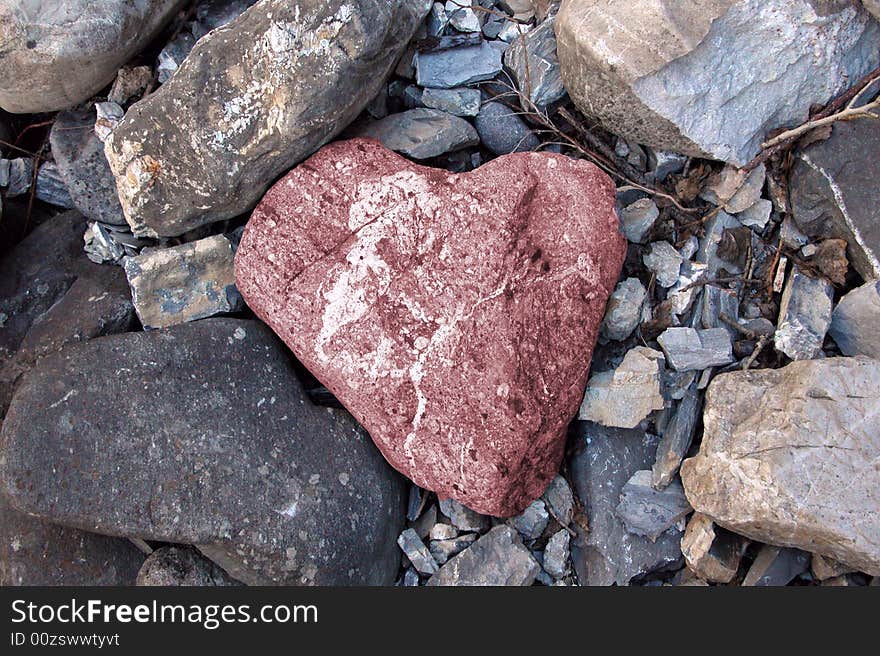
x: 415, y: 550
x: 456, y: 67
x: 648, y: 70
x: 776, y: 566
x: 604, y: 460
x: 459, y: 102
x: 462, y: 517
x: 556, y: 554
x: 677, y: 438
x: 274, y: 85
x: 804, y: 316
x: 789, y: 458
x: 454, y: 315
x: 649, y: 512
x: 502, y: 131
x: 638, y: 218
x: 184, y: 283
x: 624, y: 309
x: 833, y: 192
x: 712, y: 552
x: 736, y: 190
x: 443, y: 550
x: 35, y: 552
x: 626, y: 395
x: 559, y: 500
x: 873, y: 6
x: 181, y: 566
x: 422, y: 133
x: 532, y: 61
x: 79, y: 155
x: 664, y: 261
x: 201, y: 434
x: 50, y: 187
x: 497, y: 558
x: 688, y: 349
x: 57, y: 54
x: 855, y: 322
x: 532, y: 522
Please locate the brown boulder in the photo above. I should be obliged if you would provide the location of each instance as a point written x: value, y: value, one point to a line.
x: 453, y: 315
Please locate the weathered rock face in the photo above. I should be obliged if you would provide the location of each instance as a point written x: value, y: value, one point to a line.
x: 201, y: 434
x: 833, y: 192
x: 422, y: 133
x: 812, y: 483
x: 647, y: 70
x: 625, y: 396
x: 79, y: 155
x: 606, y: 458
x: 454, y: 315
x: 181, y: 566
x: 58, y: 54
x: 855, y: 323
x: 34, y: 552
x: 274, y: 85
x: 497, y: 558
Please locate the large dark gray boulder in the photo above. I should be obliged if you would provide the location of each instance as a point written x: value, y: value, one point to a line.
x: 201, y: 434
x: 252, y: 99
x: 605, y: 459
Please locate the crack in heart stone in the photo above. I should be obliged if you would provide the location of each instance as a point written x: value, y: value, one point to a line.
x: 454, y: 315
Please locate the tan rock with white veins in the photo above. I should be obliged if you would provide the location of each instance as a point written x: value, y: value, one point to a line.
x: 790, y: 457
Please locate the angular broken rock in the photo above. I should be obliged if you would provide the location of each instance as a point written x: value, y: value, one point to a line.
x: 36, y: 552
x: 804, y: 316
x: 422, y: 133
x: 181, y: 566
x: 624, y: 396
x: 624, y: 309
x: 274, y: 85
x: 776, y: 566
x: 497, y: 558
x: 443, y: 550
x: 462, y: 517
x: 638, y: 218
x: 789, y: 458
x: 459, y: 102
x: 559, y: 500
x: 648, y: 70
x: 556, y: 554
x: 415, y: 550
x: 855, y: 322
x: 649, y: 512
x: 503, y: 131
x: 676, y: 439
x: 712, y: 552
x: 58, y: 54
x: 688, y: 349
x: 532, y: 61
x: 184, y: 283
x: 607, y: 553
x: 833, y: 185
x: 455, y: 67
x: 79, y: 155
x: 423, y: 299
x: 664, y: 261
x: 532, y: 522
x: 201, y: 434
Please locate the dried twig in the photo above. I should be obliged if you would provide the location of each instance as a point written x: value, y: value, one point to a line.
x: 762, y: 342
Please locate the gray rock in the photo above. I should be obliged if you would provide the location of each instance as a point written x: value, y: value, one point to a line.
x: 535, y: 68
x: 650, y: 512
x: 789, y: 458
x: 35, y: 552
x: 173, y: 54
x: 497, y: 558
x: 624, y: 309
x: 638, y: 218
x: 56, y: 55
x: 79, y: 155
x: 502, y: 131
x: 686, y: 348
x: 712, y: 552
x: 708, y: 252
x: 648, y: 71
x: 410, y: 578
x: 511, y: 31
x: 417, y: 553
x: 17, y: 175
x: 422, y: 133
x: 734, y: 189
x: 443, y: 550
x: 832, y: 191
x: 181, y: 566
x: 663, y: 163
x: 604, y: 460
x: 682, y: 294
x: 777, y: 566
x: 458, y: 102
x: 855, y: 322
x: 556, y: 554
x: 664, y: 261
x: 51, y: 188
x: 109, y: 115
x: 532, y: 522
x: 184, y: 283
x: 201, y: 434
x: 559, y: 500
x: 676, y: 440
x: 492, y: 27
x: 182, y: 160
x: 757, y: 215
x: 804, y: 316
x: 717, y: 302
x: 437, y: 20
x: 441, y: 531
x: 463, y: 517
x: 626, y: 395
x: 456, y: 67
x: 462, y: 18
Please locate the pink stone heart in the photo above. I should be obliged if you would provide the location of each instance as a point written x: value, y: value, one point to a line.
x: 453, y: 315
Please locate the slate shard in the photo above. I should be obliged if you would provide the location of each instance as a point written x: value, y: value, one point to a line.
x: 454, y: 315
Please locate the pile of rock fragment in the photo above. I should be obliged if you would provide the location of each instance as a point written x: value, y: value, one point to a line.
x: 490, y: 292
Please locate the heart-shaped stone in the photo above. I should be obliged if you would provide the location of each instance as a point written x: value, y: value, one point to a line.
x: 453, y: 315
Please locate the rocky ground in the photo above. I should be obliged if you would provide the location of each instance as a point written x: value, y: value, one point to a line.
x: 502, y: 292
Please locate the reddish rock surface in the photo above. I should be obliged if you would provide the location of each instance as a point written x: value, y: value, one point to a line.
x: 453, y: 315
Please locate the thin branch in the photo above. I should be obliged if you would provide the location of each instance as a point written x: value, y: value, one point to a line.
x: 846, y: 114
